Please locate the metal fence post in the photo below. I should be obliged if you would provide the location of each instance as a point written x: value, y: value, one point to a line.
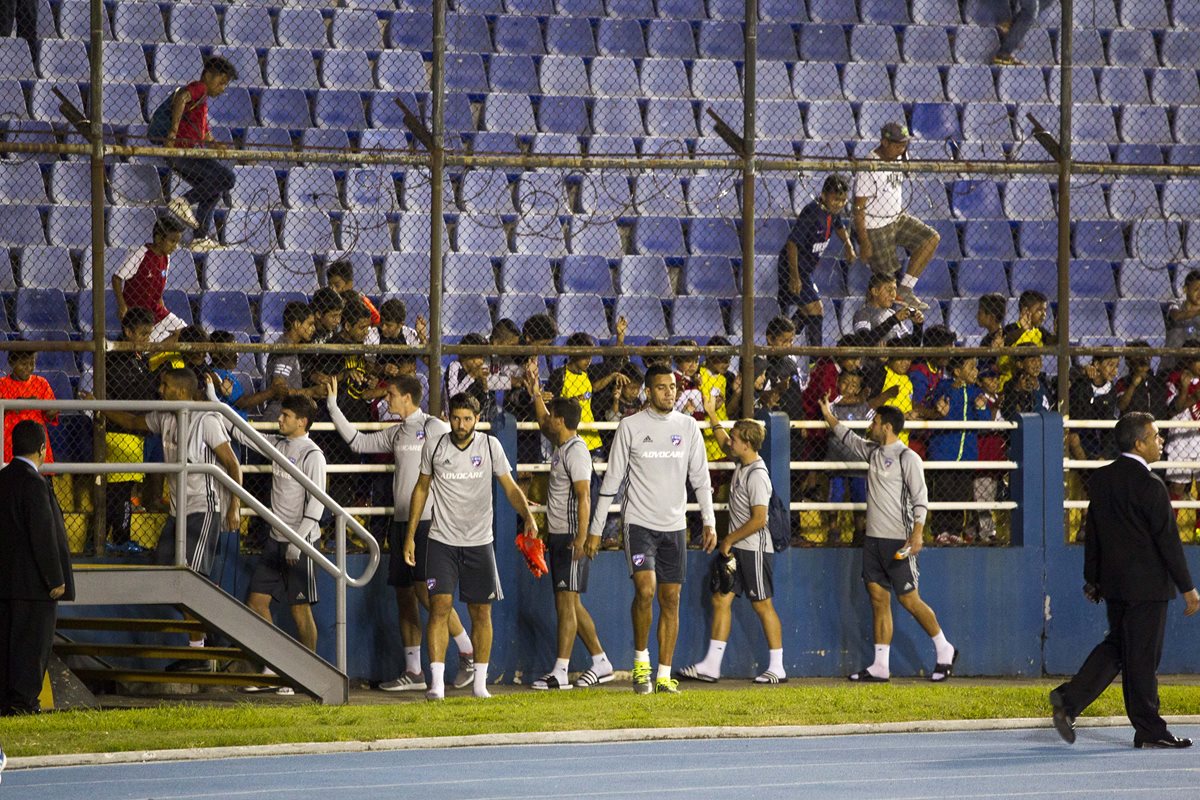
x: 1063, y: 325
x: 99, y: 320
x: 748, y: 171
x: 437, y: 223
x: 180, y: 494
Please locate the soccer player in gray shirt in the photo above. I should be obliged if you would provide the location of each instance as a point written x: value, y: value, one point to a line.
x: 897, y: 505
x: 568, y: 512
x: 458, y: 466
x: 655, y: 453
x: 404, y: 442
x: 748, y: 542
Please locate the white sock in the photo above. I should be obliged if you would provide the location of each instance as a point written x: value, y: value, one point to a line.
x: 600, y: 664
x: 463, y: 642
x: 560, y: 669
x: 481, y: 680
x: 711, y: 665
x: 881, y: 667
x: 437, y: 678
x: 776, y: 665
x: 196, y: 642
x: 945, y: 650
x: 641, y: 656
x: 412, y: 660
x: 664, y: 671
x: 908, y: 280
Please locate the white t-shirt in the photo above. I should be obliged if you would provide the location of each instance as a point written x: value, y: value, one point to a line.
x: 884, y: 188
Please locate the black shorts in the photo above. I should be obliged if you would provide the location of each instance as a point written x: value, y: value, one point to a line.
x: 665, y: 552
x: 203, y: 530
x: 754, y: 577
x: 294, y: 584
x: 401, y: 575
x: 880, y: 565
x: 471, y: 569
x: 567, y: 574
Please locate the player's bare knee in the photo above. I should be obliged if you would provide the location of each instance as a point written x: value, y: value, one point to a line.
x: 723, y: 600
x: 481, y: 613
x: 668, y: 597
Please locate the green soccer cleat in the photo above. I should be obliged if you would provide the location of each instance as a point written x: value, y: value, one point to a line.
x: 641, y: 677
x: 666, y: 686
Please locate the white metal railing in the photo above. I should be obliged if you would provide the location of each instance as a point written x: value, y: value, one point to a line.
x: 181, y: 469
x: 1096, y: 463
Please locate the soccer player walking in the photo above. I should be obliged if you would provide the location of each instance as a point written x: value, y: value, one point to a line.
x: 404, y: 441
x: 897, y: 505
x: 458, y: 466
x: 655, y: 453
x: 749, y: 543
x: 568, y: 510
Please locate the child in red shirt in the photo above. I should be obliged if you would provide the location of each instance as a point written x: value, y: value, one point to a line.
x: 182, y: 121
x: 140, y: 281
x: 22, y: 384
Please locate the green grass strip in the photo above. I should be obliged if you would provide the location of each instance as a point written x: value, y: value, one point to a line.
x: 197, y: 725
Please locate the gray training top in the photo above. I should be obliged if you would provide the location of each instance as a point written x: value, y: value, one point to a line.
x: 290, y: 501
x: 570, y: 463
x: 404, y: 441
x: 658, y: 454
x: 461, y: 485
x: 206, y: 432
x: 896, y: 494
x: 750, y: 487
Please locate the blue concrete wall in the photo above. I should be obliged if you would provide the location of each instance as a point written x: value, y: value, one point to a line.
x: 1015, y: 611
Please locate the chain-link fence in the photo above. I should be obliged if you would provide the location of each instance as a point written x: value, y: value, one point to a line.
x: 540, y: 173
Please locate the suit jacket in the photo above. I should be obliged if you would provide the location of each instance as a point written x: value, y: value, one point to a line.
x: 34, y: 555
x: 1132, y: 551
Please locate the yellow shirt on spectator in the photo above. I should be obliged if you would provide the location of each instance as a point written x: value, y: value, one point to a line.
x: 1004, y: 365
x: 714, y: 385
x: 579, y: 386
x: 904, y: 396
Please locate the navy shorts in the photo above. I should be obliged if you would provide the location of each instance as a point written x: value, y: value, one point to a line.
x: 203, y: 530
x: 294, y: 584
x: 401, y: 575
x: 880, y: 565
x: 471, y: 569
x: 664, y: 552
x: 566, y: 573
x: 754, y: 577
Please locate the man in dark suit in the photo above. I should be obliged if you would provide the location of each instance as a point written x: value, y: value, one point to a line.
x: 1133, y: 560
x: 35, y: 571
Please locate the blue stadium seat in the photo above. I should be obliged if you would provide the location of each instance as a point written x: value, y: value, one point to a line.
x: 479, y: 7
x: 980, y: 276
x: 138, y: 22
x: 766, y: 308
x: 230, y: 270
x: 226, y: 311
x: 715, y: 79
x: 670, y: 117
x: 1132, y: 48
x: 270, y: 311
x: 682, y: 9
x: 1145, y: 125
x: 509, y: 112
x: 307, y: 230
x: 1187, y: 125
x: 711, y: 276
x: 407, y: 30
x: 21, y: 182
x: 823, y: 43
x: 586, y: 274
x: 63, y: 60
x: 284, y: 108
x: 984, y: 13
x: 987, y: 122
x: 358, y: 29
x: 580, y: 8
x: 312, y: 187
x: 249, y: 25
x: 12, y: 100
x: 570, y: 36
x: 289, y: 270
x: 42, y: 310
x: 339, y: 108
x: 834, y: 11
x: 1092, y: 278
x: 465, y: 73
x: 245, y: 61
x: 1088, y: 49
x: 1138, y: 154
x: 773, y: 82
x: 1136, y: 278
x: 614, y: 77
x: 595, y: 236
x: 772, y: 196
x: 1089, y: 318
x: 468, y: 273
x: 467, y: 33
x: 481, y: 234
x: 364, y: 233
x: 874, y: 114
x: 519, y: 307
x: 70, y: 183
x: 884, y: 12
x: 46, y: 268
x: 643, y: 314
x: 541, y: 193
x: 714, y: 193
x: 135, y: 184
x: 1093, y: 123
x: 582, y: 313
x: 533, y: 8
x: 643, y: 275
x: 875, y: 43
x: 527, y: 274
x: 351, y: 69
x: 770, y: 235
x: 1133, y: 198
x: 83, y: 310
x: 486, y: 191
x: 303, y: 27
x: 74, y: 22
x: 182, y: 275
x: 859, y: 82
x: 1181, y: 198
x: 541, y: 235
x: 519, y: 35
x: 233, y: 109
x: 406, y: 272
x: 716, y: 236
x: 617, y: 116
x: 774, y: 10
x: 985, y: 239
x: 267, y: 138
x: 696, y: 317
x: 418, y: 191
x: 976, y: 199
x: 1037, y: 238
x: 605, y: 192
x: 1181, y: 48
x: 1184, y: 154
x: 665, y: 77
x: 122, y: 107
x: 251, y: 229
x: 1024, y: 84
x: 670, y: 38
x: 1099, y: 239
x: 925, y: 45
x: 67, y: 227
x: 620, y: 37
x: 918, y: 83
x: 563, y: 114
x: 194, y: 24
x: 128, y: 226
x: 1036, y: 274
x: 1174, y: 87
x: 969, y: 83
x: 1119, y: 85
x: 1155, y: 240
x: 177, y: 64
x: 1139, y: 319
x: 936, y: 280
x: 975, y: 45
x: 935, y: 121
x: 830, y: 120
x: 402, y: 71
x: 720, y: 39
x: 371, y: 188
x: 776, y: 42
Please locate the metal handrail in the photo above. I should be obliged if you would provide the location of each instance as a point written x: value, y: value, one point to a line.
x: 182, y: 468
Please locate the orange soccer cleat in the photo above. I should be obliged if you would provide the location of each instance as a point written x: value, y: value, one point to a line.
x: 534, y: 551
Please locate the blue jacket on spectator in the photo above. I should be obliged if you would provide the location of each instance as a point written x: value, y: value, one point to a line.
x: 956, y: 445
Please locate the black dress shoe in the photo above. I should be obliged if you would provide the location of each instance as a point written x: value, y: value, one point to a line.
x: 1064, y: 723
x: 1168, y: 742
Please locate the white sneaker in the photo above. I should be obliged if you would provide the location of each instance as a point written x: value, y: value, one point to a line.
x: 905, y: 295
x: 180, y: 208
x: 408, y: 682
x: 205, y: 244
x: 466, y: 672
x: 285, y: 691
